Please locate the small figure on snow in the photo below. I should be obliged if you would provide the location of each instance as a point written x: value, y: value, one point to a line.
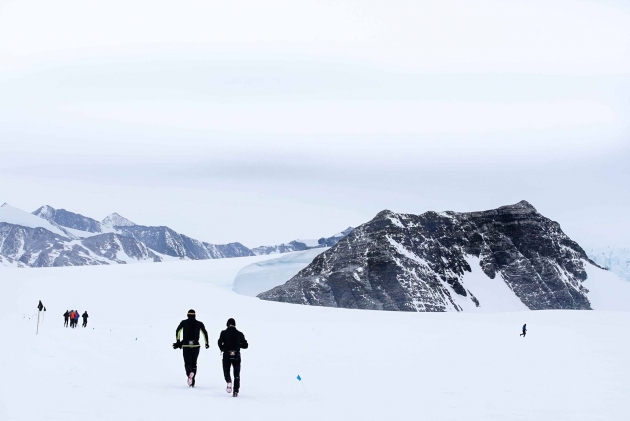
x: 189, y: 329
x: 231, y: 341
x: 524, y: 330
x: 74, y: 318
x: 85, y: 317
x: 66, y: 316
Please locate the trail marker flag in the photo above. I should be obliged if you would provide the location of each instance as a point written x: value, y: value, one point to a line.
x: 40, y: 307
x: 302, y: 383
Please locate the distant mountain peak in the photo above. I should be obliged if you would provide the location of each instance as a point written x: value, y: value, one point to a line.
x: 116, y: 220
x: 47, y: 212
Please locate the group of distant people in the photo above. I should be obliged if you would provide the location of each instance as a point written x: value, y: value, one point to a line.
x: 72, y: 316
x: 230, y: 342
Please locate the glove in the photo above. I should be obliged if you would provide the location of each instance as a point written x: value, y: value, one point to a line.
x: 207, y: 346
x: 177, y: 344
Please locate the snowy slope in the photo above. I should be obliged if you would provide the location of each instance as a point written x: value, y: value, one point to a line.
x: 493, y: 295
x: 16, y: 216
x: 262, y: 276
x: 607, y: 291
x: 572, y: 366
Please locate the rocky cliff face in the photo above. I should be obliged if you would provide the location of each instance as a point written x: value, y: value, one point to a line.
x: 418, y: 262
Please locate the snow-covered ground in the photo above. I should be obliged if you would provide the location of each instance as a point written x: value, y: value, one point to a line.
x: 262, y: 276
x: 355, y: 365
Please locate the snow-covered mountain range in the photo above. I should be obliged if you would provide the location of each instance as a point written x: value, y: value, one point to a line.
x: 447, y: 261
x: 301, y: 244
x: 57, y: 237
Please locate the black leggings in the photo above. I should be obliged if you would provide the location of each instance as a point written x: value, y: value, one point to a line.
x: 190, y: 360
x: 227, y: 363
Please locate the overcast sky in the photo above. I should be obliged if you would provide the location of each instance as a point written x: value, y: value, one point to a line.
x: 265, y: 121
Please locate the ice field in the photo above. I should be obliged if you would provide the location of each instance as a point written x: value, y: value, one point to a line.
x: 262, y: 276
x: 355, y: 365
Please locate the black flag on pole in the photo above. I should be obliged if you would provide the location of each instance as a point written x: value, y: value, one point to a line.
x: 40, y: 306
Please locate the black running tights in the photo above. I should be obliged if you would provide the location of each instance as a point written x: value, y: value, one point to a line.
x: 237, y: 372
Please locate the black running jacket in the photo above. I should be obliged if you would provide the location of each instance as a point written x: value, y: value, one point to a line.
x: 232, y: 340
x: 189, y: 331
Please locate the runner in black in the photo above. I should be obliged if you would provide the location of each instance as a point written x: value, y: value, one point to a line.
x: 189, y: 331
x: 231, y: 342
x: 85, y: 317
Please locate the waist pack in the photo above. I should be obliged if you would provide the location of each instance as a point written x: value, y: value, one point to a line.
x: 233, y: 355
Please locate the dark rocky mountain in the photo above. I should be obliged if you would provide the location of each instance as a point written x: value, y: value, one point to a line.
x: 69, y: 219
x: 37, y: 247
x: 409, y: 262
x: 300, y: 245
x: 166, y: 241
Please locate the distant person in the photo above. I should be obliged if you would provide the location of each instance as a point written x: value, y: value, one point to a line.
x: 231, y: 341
x: 85, y: 317
x: 189, y: 330
x: 72, y: 318
x: 76, y: 318
x: 66, y: 316
x: 524, y: 330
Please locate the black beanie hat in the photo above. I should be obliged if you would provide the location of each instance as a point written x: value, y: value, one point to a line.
x: 231, y: 322
x: 191, y: 312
